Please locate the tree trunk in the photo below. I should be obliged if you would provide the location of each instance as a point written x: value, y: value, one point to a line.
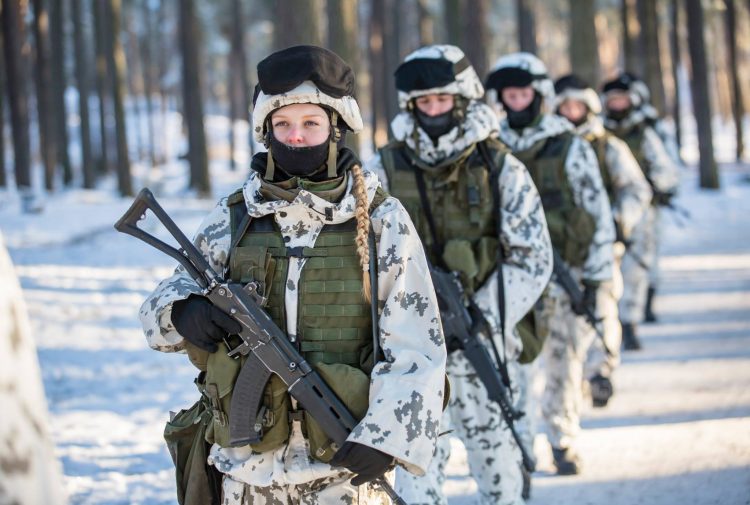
x: 100, y: 31
x: 116, y: 62
x: 133, y: 77
x: 476, y: 40
x: 526, y: 26
x: 82, y: 82
x: 378, y: 75
x: 674, y: 6
x: 709, y: 176
x: 392, y: 48
x: 453, y: 16
x: 45, y: 116
x: 649, y: 21
x: 296, y: 22
x: 342, y: 39
x: 737, y: 98
x: 426, y: 23
x: 59, y: 83
x: 192, y: 99
x: 584, y: 48
x: 16, y: 73
x: 631, y: 37
x: 148, y: 78
x: 239, y: 88
x: 3, y: 178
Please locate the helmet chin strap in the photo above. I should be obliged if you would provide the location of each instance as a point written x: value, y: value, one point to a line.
x: 270, y: 165
x: 333, y: 145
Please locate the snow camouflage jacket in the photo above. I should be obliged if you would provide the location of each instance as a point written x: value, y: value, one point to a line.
x: 528, y: 249
x: 29, y: 471
x: 632, y: 191
x: 406, y: 389
x: 663, y: 172
x: 585, y: 181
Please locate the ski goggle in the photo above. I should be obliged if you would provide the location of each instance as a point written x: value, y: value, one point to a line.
x: 428, y: 73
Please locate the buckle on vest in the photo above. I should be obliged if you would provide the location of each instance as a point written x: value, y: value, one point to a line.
x: 295, y: 252
x: 296, y: 415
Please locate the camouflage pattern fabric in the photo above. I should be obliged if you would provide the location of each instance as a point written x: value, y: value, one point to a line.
x: 29, y: 472
x: 495, y: 458
x: 406, y: 388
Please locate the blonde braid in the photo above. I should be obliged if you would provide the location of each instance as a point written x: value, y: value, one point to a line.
x: 363, y: 229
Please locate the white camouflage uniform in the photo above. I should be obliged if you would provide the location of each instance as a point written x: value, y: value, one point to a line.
x: 494, y: 457
x: 29, y: 472
x: 570, y: 335
x: 640, y: 262
x: 406, y: 389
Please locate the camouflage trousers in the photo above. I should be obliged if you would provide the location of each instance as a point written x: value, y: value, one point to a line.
x: 333, y: 490
x: 493, y: 456
x: 561, y: 364
x: 640, y: 267
x: 599, y: 361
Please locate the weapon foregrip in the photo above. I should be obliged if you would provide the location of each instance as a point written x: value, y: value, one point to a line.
x: 244, y: 426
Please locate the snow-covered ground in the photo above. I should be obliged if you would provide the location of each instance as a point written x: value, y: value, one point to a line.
x: 677, y: 432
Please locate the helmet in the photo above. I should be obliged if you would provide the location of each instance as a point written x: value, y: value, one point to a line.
x: 519, y: 70
x: 305, y: 74
x: 436, y: 69
x: 572, y: 87
x: 628, y: 83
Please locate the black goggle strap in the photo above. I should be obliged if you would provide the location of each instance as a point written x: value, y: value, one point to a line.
x: 333, y: 145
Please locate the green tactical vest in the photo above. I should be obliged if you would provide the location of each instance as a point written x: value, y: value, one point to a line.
x: 571, y: 228
x: 460, y: 199
x: 334, y: 326
x: 600, y: 148
x: 634, y: 139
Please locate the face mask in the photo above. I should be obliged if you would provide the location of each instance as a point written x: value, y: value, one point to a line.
x: 579, y: 121
x: 299, y: 161
x: 618, y: 115
x: 435, y: 126
x: 523, y: 118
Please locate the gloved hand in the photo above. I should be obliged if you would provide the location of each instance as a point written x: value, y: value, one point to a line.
x: 201, y: 323
x: 588, y: 300
x: 663, y: 199
x: 366, y: 462
x: 619, y: 234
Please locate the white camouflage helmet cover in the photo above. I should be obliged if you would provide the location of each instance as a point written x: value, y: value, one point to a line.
x: 572, y: 88
x: 466, y: 82
x: 531, y: 64
x: 627, y: 83
x: 305, y: 74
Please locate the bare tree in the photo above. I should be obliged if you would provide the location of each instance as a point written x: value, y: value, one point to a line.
x: 193, y: 99
x: 426, y: 23
x: 3, y: 179
x: 378, y: 73
x: 57, y: 88
x: 13, y: 11
x: 116, y: 62
x: 45, y: 119
x: 453, y: 14
x: 296, y: 22
x: 239, y: 87
x: 342, y: 39
x: 649, y: 20
x: 583, y: 47
x: 82, y: 82
x: 738, y: 100
x: 476, y: 37
x: 148, y: 76
x: 526, y: 26
x: 101, y: 28
x: 631, y: 37
x: 674, y: 48
x: 709, y: 176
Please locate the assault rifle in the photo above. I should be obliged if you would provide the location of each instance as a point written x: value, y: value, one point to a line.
x: 458, y: 324
x: 570, y: 285
x: 266, y: 346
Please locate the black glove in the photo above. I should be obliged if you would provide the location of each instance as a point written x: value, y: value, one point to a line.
x: 663, y: 199
x: 588, y: 300
x: 619, y: 235
x: 366, y: 462
x: 201, y: 323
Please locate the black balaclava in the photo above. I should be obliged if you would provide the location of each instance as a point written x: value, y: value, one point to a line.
x: 435, y: 126
x: 619, y: 115
x: 519, y: 120
x: 299, y: 161
x: 579, y: 121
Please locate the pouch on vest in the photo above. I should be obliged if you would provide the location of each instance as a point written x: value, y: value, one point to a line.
x: 253, y: 263
x: 352, y: 386
x: 198, y: 483
x: 532, y: 339
x: 220, y: 379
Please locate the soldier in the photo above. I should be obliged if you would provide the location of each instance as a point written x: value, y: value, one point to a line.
x: 563, y: 166
x: 442, y: 165
x: 29, y: 472
x: 625, y: 118
x: 308, y: 242
x: 629, y: 196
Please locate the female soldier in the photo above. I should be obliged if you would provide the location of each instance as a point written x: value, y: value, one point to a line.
x: 300, y: 227
x: 442, y: 166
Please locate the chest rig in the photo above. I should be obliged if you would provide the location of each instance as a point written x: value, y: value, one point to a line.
x: 599, y: 144
x: 460, y: 200
x: 571, y: 228
x: 334, y: 324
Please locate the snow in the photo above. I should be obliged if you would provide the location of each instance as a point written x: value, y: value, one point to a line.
x: 677, y: 431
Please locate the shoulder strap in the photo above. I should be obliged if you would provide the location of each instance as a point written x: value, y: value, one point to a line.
x: 437, y: 247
